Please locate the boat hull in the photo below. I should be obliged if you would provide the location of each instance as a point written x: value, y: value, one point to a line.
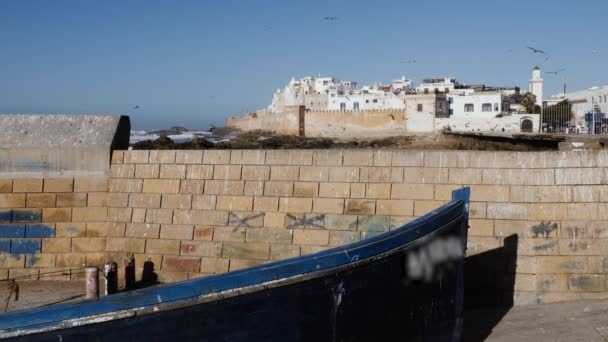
x: 410, y: 293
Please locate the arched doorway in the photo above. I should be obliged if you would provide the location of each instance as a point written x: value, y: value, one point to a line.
x: 526, y: 126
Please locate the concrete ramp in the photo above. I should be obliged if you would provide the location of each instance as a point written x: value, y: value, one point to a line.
x: 60, y: 145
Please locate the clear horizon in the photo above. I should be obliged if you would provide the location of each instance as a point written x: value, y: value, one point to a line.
x: 195, y: 63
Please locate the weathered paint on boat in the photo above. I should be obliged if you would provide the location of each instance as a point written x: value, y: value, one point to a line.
x: 406, y: 284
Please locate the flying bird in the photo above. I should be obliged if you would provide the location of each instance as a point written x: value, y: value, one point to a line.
x: 594, y: 51
x: 546, y: 59
x: 330, y: 18
x: 555, y: 72
x: 136, y: 107
x: 409, y: 61
x: 535, y: 50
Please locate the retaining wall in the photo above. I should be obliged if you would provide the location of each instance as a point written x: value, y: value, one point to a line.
x: 538, y: 228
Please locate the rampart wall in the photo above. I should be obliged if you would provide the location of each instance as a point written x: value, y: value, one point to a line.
x: 538, y: 227
x: 355, y: 123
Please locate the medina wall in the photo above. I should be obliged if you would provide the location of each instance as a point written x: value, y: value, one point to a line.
x: 287, y: 122
x: 538, y: 220
x: 355, y: 123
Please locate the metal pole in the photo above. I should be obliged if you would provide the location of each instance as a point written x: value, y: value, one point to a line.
x: 92, y: 283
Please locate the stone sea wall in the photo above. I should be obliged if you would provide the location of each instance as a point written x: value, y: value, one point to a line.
x: 538, y: 220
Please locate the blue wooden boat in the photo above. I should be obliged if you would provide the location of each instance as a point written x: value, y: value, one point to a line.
x: 406, y: 284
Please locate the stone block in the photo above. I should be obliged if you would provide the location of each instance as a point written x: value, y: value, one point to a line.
x: 328, y: 205
x: 375, y: 223
x: 171, y: 276
x: 27, y: 185
x: 224, y: 187
x: 164, y: 247
x: 535, y: 194
x: 465, y: 176
x: 133, y: 245
x: 314, y: 173
x: 276, y: 188
x: 172, y: 171
x: 327, y: 157
x: 125, y: 185
x: 295, y: 205
x: 237, y: 264
x: 282, y: 251
x: 188, y: 157
x: 137, y: 200
x: 425, y: 175
x: 232, y: 172
x: 78, y: 214
x: 138, y: 215
x: 412, y: 191
x: 136, y: 157
x: 159, y: 215
x: 511, y: 211
x: 204, y: 202
x: 40, y: 200
x: 142, y: 230
x: 56, y: 245
x: 274, y: 220
x: 441, y: 159
x: 408, y: 158
x: 310, y: 237
x: 561, y: 264
x: 358, y: 158
x: 254, y: 188
x: 122, y: 171
x: 40, y: 260
x: 378, y: 190
x: 59, y: 184
x: 344, y: 174
x: 102, y: 229
x: 340, y: 222
x: 395, y: 207
x: 6, y: 185
x: 203, y: 233
x: 588, y: 282
x: 359, y: 207
x: 341, y: 238
x: 334, y: 190
x: 170, y: 186
x: 92, y: 184
x: 121, y: 214
x: 258, y: 172
x: 380, y: 174
x: 251, y: 250
x: 26, y: 215
x: 357, y: 190
x: 479, y: 227
x: 61, y: 215
x: 201, y: 248
x: 248, y: 157
x: 269, y: 235
x: 70, y: 260
x: 147, y: 170
x: 424, y: 207
x: 176, y: 201
x: 71, y: 200
x: 383, y: 157
x: 176, y: 231
x: 489, y: 193
x: 161, y: 157
x: 214, y: 265
x: 239, y: 203
x: 288, y: 157
x: 8, y: 260
x: 192, y: 187
x: 518, y: 176
x: 235, y: 234
x: 202, y: 217
x: 306, y: 189
x: 117, y: 157
x: 181, y: 264
x: 89, y: 244
x: 308, y: 249
x: 70, y: 229
x: 216, y: 157
x: 478, y: 210
x: 246, y: 219
x: 199, y: 172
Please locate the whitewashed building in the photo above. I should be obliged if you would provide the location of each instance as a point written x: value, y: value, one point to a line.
x: 535, y: 85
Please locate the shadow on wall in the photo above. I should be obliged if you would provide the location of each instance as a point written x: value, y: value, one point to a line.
x: 489, y: 289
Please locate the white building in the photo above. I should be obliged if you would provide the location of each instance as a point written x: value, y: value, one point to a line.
x: 485, y: 104
x: 434, y: 85
x: 535, y: 86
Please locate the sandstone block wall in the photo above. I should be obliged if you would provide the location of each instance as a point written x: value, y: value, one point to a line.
x: 538, y: 226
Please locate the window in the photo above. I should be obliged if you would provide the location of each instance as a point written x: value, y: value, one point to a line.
x: 325, y: 82
x: 469, y: 107
x: 420, y: 107
x: 356, y: 106
x: 375, y: 101
x: 426, y: 90
x: 486, y: 107
x: 366, y: 101
x: 496, y: 107
x: 447, y: 90
x: 342, y: 106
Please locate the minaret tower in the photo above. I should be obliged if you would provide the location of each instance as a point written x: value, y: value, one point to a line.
x: 536, y: 86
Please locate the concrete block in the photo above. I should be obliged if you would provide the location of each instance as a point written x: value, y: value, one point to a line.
x: 239, y: 203
x: 425, y: 175
x: 147, y: 170
x: 288, y: 157
x: 334, y: 190
x: 70, y: 200
x: 314, y: 173
x: 412, y: 191
x: 408, y: 158
x: 246, y: 219
x: 441, y: 159
x: 136, y: 157
x: 344, y: 174
x: 142, y: 230
x: 378, y: 190
x: 177, y: 201
x: 56, y: 245
x: 159, y: 215
x: 327, y: 157
x: 258, y: 173
x: 395, y: 207
x: 276, y: 188
x: 202, y: 217
x: 89, y: 244
x: 269, y: 235
x: 216, y: 157
x: 199, y: 172
x: 65, y: 215
x: 254, y: 188
x: 379, y: 174
x: 176, y: 231
x: 358, y: 158
x: 247, y: 157
x: 235, y: 234
x: 359, y: 207
x: 203, y: 233
x: 162, y: 157
x: 125, y: 185
x: 122, y: 170
x: 284, y: 173
x: 79, y: 214
x: 133, y: 245
x: 103, y: 229
x: 181, y: 264
x: 357, y: 190
x: 274, y: 220
x: 121, y: 214
x: 138, y: 215
x: 70, y: 229
x: 305, y: 189
x: 204, y: 202
x: 192, y: 187
x: 265, y: 204
x: 164, y: 247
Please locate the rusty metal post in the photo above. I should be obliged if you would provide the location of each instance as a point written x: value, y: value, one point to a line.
x: 128, y: 263
x: 92, y: 283
x: 111, y: 271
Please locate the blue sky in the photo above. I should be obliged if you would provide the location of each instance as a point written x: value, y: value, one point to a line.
x: 194, y: 63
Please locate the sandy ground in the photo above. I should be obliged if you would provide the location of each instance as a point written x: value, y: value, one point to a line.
x: 577, y: 321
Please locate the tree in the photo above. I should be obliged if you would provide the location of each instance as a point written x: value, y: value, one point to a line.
x: 527, y: 100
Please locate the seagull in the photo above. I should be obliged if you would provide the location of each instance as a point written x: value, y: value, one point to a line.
x: 267, y: 27
x: 535, y: 50
x: 555, y: 72
x: 136, y: 107
x: 594, y: 51
x: 330, y: 18
x: 410, y: 61
x: 546, y: 59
